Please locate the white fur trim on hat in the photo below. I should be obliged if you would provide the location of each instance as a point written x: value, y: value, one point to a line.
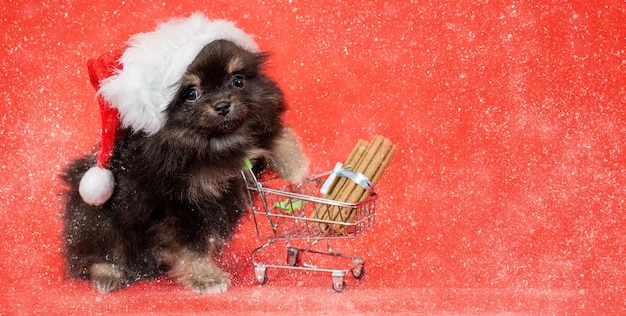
x: 154, y: 62
x: 96, y: 186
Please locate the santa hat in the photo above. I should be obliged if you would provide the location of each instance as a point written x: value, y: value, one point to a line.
x: 136, y: 84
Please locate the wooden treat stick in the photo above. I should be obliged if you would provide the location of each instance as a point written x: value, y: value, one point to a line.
x: 321, y: 212
x: 345, y: 192
x: 379, y: 173
x: 351, y: 162
x: 339, y: 214
x: 368, y: 159
x: 369, y: 169
x: 360, y: 167
x: 358, y: 192
x: 384, y: 165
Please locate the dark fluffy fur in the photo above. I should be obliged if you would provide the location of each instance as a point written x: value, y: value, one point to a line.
x: 179, y: 192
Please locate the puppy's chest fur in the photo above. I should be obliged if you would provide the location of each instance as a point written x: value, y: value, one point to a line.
x: 171, y: 172
x: 209, y: 181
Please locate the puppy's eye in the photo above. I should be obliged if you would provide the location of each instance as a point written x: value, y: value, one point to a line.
x: 239, y: 81
x: 192, y: 94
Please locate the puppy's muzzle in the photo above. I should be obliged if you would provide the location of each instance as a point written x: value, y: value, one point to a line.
x: 222, y: 108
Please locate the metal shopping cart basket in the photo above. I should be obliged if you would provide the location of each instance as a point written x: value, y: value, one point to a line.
x: 297, y: 214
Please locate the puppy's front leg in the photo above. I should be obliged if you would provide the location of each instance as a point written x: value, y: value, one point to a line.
x: 287, y: 158
x: 195, y: 271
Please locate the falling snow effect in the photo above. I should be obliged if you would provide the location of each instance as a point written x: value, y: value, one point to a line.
x: 507, y: 193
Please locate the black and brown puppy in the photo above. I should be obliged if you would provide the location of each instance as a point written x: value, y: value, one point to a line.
x: 179, y: 192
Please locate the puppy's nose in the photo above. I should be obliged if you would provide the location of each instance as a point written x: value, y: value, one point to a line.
x: 222, y: 108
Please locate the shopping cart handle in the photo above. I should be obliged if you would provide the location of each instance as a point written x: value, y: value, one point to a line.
x: 247, y: 164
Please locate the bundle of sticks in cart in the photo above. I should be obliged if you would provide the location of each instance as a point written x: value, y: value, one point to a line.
x: 366, y: 159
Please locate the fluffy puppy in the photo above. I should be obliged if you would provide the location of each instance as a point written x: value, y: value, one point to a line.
x: 179, y: 193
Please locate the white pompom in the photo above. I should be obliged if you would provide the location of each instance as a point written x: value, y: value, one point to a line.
x: 96, y: 186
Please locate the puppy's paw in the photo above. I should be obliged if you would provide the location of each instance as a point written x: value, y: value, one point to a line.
x: 287, y: 157
x: 210, y: 281
x: 196, y: 271
x: 106, y: 277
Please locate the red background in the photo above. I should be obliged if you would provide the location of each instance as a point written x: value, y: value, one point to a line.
x: 507, y: 193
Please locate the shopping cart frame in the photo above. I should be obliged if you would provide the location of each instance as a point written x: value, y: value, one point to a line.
x: 299, y: 226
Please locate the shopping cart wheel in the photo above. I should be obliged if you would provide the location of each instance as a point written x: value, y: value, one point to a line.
x: 260, y: 274
x: 339, y: 284
x: 293, y: 257
x: 358, y: 271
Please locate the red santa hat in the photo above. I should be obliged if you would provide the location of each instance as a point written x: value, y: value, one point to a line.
x: 136, y: 84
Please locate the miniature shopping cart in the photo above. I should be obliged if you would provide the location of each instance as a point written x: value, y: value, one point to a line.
x: 299, y: 217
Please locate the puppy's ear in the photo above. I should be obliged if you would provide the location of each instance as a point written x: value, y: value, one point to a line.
x: 287, y: 158
x: 262, y: 57
x: 260, y: 61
